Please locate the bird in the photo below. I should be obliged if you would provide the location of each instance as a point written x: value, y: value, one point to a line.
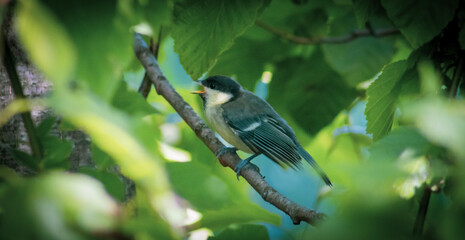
x: 251, y: 125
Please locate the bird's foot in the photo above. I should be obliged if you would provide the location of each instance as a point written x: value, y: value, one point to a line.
x: 223, y: 150
x: 244, y: 163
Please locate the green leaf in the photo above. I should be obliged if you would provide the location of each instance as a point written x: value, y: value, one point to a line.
x: 131, y: 101
x: 128, y: 140
x: 382, y: 96
x: 322, y: 93
x: 441, y: 122
x: 238, y: 213
x: 243, y: 231
x: 212, y: 189
x: 56, y: 151
x: 411, y: 17
x: 371, y: 55
x: 112, y: 183
x: 57, y: 205
x: 46, y: 40
x: 390, y: 147
x: 246, y: 59
x: 26, y: 159
x: 364, y: 10
x: 100, y: 31
x: 101, y: 159
x: 204, y: 29
x: 462, y: 37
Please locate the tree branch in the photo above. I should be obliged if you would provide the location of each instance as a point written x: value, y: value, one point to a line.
x: 296, y: 212
x: 10, y: 65
x: 326, y: 40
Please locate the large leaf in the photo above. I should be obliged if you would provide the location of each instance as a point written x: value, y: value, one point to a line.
x: 310, y: 91
x: 420, y: 21
x: 204, y: 29
x: 100, y: 33
x: 359, y: 60
x: 382, y: 96
x: 246, y: 59
x: 364, y: 10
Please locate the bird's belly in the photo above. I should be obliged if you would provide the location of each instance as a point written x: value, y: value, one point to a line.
x: 222, y: 128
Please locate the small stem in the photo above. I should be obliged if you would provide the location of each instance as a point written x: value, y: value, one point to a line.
x: 421, y: 216
x: 10, y: 65
x: 456, y: 78
x: 146, y: 84
x: 327, y: 40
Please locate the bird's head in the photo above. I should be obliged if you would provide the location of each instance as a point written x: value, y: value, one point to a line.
x: 218, y: 90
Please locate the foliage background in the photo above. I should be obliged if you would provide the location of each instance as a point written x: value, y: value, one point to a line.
x: 382, y: 114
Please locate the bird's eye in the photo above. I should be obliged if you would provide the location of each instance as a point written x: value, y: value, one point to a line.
x: 212, y: 85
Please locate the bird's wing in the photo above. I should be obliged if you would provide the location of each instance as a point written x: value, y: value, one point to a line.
x: 263, y: 134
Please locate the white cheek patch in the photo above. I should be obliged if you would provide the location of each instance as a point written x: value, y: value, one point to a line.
x: 252, y: 127
x: 215, y: 97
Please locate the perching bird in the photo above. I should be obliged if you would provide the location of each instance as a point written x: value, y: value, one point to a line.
x: 251, y: 125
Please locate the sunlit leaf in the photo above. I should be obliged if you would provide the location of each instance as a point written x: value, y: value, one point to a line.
x: 204, y: 29
x: 382, y: 96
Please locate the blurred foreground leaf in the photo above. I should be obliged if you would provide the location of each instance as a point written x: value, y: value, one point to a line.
x: 128, y: 140
x: 57, y: 205
x: 245, y: 231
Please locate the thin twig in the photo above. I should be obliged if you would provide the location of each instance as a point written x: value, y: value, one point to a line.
x: 251, y: 175
x: 146, y: 84
x: 326, y: 40
x: 456, y: 78
x: 10, y: 65
x: 421, y: 215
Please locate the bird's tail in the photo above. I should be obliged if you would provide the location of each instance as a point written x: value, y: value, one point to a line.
x: 315, y: 166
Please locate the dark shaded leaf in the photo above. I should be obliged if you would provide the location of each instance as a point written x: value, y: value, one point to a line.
x: 420, y: 21
x: 310, y: 91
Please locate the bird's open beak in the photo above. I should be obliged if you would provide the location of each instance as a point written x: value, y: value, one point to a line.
x: 198, y: 91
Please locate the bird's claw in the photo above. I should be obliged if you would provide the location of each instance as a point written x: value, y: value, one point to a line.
x: 223, y: 150
x: 243, y: 164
